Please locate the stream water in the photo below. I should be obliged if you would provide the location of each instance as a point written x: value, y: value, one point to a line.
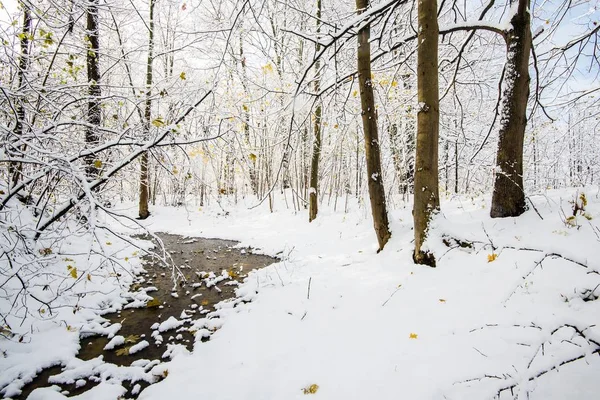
x: 196, y: 257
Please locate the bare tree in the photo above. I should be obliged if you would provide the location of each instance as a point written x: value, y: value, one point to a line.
x: 15, y: 169
x: 427, y: 199
x: 314, y: 165
x: 508, y: 199
x: 369, y: 121
x: 144, y: 184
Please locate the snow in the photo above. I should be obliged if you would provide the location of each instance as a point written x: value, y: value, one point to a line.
x: 515, y: 301
x: 115, y: 342
x: 170, y: 323
x: 378, y: 324
x: 138, y: 347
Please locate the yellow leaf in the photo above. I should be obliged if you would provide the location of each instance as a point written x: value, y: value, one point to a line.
x: 158, y: 122
x: 354, y: 93
x: 492, y: 257
x: 135, y: 253
x: 394, y: 83
x: 126, y: 259
x: 108, y: 243
x: 132, y: 339
x: 89, y: 277
x: 267, y: 68
x: 442, y: 300
x: 153, y: 303
x: 244, y: 107
x: 312, y: 389
x: 182, y: 76
x: 98, y: 164
x: 413, y: 336
x: 252, y: 156
x: 124, y: 351
x: 72, y: 271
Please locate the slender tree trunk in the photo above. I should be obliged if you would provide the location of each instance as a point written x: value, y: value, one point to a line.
x: 408, y: 162
x: 396, y: 155
x: 92, y: 137
x: 246, y: 123
x: 369, y: 119
x: 144, y: 181
x: 15, y: 169
x: 456, y: 165
x: 314, y: 165
x: 427, y: 199
x: 508, y: 199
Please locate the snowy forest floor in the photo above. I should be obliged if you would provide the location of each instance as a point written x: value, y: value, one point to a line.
x: 510, y: 311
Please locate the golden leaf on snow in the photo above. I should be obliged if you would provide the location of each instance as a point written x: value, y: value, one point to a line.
x: 312, y: 389
x: 492, y: 257
x: 413, y: 336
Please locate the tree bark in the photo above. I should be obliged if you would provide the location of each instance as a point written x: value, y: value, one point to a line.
x: 144, y: 181
x: 314, y: 165
x: 427, y: 199
x: 508, y: 199
x: 92, y: 137
x: 369, y: 119
x: 15, y: 169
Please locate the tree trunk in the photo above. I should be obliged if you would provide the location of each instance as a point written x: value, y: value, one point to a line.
x: 246, y: 123
x: 92, y: 137
x: 143, y: 205
x: 427, y: 199
x: 508, y: 199
x: 369, y: 119
x: 314, y: 165
x: 15, y: 169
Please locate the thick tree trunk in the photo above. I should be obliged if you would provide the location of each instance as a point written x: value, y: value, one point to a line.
x: 144, y: 181
x: 508, y: 199
x: 369, y: 119
x: 427, y: 198
x: 92, y: 137
x: 15, y: 169
x: 314, y: 165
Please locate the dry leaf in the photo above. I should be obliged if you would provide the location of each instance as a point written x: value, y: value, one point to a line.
x: 153, y: 303
x: 413, y: 336
x: 312, y: 389
x: 492, y: 257
x: 132, y: 339
x: 123, y: 351
x: 72, y: 271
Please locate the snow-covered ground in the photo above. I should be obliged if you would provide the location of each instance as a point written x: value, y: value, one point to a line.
x: 509, y: 304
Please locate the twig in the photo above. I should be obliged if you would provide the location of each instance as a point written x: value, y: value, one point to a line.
x: 392, y: 295
x: 533, y: 205
x: 308, y: 293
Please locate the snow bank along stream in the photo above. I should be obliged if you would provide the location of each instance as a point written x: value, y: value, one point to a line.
x: 157, y: 322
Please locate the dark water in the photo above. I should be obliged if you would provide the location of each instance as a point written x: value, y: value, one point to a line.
x: 193, y: 256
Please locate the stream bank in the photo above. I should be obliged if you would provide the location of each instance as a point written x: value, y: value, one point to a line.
x: 156, y: 322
